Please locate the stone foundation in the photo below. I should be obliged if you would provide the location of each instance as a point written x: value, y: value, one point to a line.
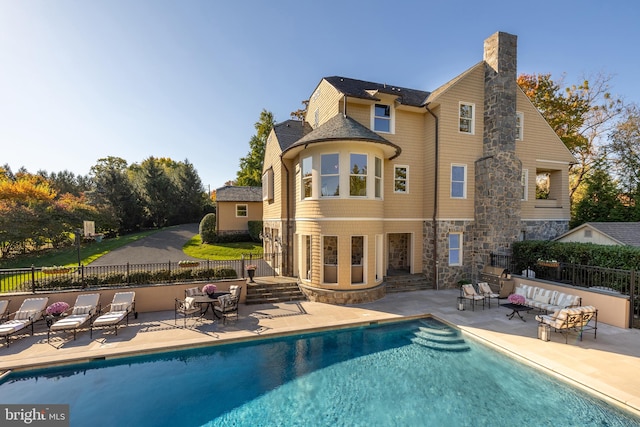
x: 336, y: 296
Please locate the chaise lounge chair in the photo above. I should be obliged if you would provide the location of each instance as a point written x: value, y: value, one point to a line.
x: 84, y: 309
x: 29, y: 312
x: 4, y: 309
x: 123, y: 303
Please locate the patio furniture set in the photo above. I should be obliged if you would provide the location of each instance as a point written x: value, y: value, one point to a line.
x: 561, y: 311
x: 87, y: 312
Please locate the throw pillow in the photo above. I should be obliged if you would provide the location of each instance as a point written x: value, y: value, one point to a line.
x: 543, y: 298
x: 24, y: 315
x: 189, y: 303
x: 123, y: 306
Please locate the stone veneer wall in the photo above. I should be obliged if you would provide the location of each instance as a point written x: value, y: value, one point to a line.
x: 335, y: 296
x: 544, y: 230
x: 448, y: 275
x: 498, y: 172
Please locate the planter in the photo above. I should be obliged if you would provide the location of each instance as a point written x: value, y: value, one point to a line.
x: 549, y: 264
x: 188, y: 264
x: 251, y: 274
x: 61, y: 270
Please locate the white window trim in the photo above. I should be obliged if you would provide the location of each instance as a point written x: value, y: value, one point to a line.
x: 464, y: 187
x: 339, y: 175
x: 392, y: 118
x: 246, y: 209
x: 406, y: 191
x: 473, y: 118
x: 520, y: 135
x: 460, y: 258
x: 524, y: 181
x: 267, y: 185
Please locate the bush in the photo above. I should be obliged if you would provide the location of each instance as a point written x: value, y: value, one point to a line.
x: 232, y: 238
x: 207, y: 228
x: 255, y: 228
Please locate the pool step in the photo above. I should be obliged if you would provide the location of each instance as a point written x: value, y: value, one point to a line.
x: 438, y: 336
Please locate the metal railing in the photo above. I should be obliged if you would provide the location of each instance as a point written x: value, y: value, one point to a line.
x: 36, y: 279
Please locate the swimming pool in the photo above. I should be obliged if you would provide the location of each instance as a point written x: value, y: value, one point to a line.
x: 406, y: 373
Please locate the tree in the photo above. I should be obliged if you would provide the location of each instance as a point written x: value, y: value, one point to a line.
x: 156, y: 189
x: 114, y: 194
x: 624, y: 149
x: 602, y: 200
x: 250, y: 173
x: 580, y: 116
x: 191, y: 195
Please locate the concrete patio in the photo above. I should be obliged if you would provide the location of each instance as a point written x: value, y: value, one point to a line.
x: 606, y: 366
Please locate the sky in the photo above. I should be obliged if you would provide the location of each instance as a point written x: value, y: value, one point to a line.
x: 187, y: 79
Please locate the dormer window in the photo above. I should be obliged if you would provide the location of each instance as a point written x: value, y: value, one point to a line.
x: 382, y: 118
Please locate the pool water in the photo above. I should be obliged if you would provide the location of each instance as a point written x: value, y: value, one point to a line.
x: 416, y: 373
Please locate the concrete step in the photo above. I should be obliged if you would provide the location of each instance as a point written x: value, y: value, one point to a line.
x: 265, y: 293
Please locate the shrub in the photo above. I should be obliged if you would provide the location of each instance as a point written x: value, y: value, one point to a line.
x: 255, y: 228
x: 207, y: 228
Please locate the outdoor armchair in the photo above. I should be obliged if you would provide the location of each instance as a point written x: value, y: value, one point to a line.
x: 469, y: 293
x: 228, y: 304
x: 186, y: 307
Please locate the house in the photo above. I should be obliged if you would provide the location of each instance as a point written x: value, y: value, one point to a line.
x: 604, y: 233
x: 381, y: 180
x: 235, y: 207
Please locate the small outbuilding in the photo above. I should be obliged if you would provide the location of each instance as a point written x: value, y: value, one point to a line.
x: 604, y: 233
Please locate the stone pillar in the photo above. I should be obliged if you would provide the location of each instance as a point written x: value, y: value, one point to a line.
x: 498, y: 172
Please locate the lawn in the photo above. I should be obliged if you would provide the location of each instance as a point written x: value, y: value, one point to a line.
x: 221, y: 251
x: 89, y: 252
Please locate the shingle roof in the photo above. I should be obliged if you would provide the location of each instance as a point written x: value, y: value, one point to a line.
x: 627, y: 233
x: 290, y: 131
x: 231, y: 193
x: 359, y: 89
x: 340, y: 127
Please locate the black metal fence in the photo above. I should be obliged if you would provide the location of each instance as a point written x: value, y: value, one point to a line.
x: 36, y: 279
x: 624, y: 282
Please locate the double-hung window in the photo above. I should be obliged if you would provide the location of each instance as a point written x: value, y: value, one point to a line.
x: 330, y: 175
x: 401, y: 179
x: 467, y: 118
x: 307, y: 180
x: 241, y: 211
x: 458, y: 181
x: 455, y: 248
x: 378, y: 178
x: 358, y: 175
x: 382, y: 118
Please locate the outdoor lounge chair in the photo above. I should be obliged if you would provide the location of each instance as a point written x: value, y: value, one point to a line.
x: 84, y: 309
x: 4, y: 309
x: 186, y: 307
x: 122, y: 305
x: 572, y: 319
x: 29, y: 312
x: 468, y: 292
x: 488, y: 293
x: 228, y: 304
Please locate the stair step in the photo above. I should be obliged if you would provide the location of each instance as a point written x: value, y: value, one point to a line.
x: 455, y: 347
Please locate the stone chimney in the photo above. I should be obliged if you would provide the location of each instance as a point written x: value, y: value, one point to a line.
x: 498, y: 188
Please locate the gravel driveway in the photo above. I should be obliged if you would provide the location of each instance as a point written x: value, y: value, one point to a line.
x: 163, y: 246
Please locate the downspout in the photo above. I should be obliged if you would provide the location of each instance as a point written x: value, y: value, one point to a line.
x: 435, y: 204
x: 287, y: 218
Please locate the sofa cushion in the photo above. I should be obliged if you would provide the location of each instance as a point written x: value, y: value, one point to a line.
x: 543, y: 297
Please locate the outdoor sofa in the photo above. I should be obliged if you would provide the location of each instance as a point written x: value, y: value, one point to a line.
x: 546, y: 299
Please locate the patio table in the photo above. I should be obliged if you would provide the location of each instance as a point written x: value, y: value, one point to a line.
x: 516, y: 309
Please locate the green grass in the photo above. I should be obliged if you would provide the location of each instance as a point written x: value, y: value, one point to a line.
x: 220, y: 251
x: 69, y: 256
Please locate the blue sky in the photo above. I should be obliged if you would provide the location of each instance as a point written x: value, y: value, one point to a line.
x: 82, y: 80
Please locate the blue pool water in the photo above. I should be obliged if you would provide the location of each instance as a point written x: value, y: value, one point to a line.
x: 417, y: 373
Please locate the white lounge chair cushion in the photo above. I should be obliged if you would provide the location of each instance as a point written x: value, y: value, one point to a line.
x: 7, y: 328
x: 189, y: 303
x: 83, y: 309
x: 3, y: 306
x: 192, y: 291
x: 70, y: 322
x: 25, y: 315
x: 110, y: 318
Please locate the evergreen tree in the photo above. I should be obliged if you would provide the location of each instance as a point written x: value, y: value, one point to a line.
x: 250, y: 173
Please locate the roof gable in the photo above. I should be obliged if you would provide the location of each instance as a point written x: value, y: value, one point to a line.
x: 290, y: 131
